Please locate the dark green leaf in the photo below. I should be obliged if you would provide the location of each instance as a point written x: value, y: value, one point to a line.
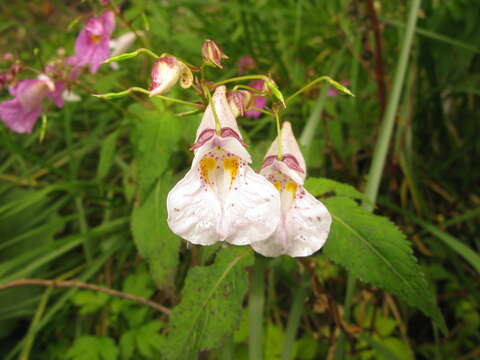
x: 376, y: 251
x: 322, y: 186
x: 211, y: 305
x: 154, y: 240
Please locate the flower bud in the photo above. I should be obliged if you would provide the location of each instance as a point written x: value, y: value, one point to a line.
x: 166, y: 72
x: 240, y: 101
x: 212, y: 54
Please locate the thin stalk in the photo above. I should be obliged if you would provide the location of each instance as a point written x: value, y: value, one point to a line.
x: 279, y: 137
x: 312, y: 122
x: 315, y: 82
x: 256, y: 303
x: 381, y: 150
x: 30, y: 337
x: 218, y: 126
x: 242, y: 78
x: 136, y: 89
x: 293, y: 321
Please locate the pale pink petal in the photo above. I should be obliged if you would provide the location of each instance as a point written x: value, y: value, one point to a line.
x: 16, y: 118
x: 251, y: 209
x: 108, y: 18
x: 193, y: 210
x: 99, y: 55
x: 57, y: 95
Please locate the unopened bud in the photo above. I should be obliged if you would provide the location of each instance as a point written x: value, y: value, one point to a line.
x: 166, y: 72
x: 240, y: 101
x: 212, y: 54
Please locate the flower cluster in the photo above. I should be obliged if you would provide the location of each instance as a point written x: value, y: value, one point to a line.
x: 92, y: 47
x: 222, y: 199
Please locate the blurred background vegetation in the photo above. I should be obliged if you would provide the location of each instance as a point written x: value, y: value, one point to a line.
x: 66, y: 202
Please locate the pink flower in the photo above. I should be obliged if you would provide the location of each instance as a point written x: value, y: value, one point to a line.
x: 21, y: 113
x: 258, y: 101
x: 92, y: 44
x: 305, y: 221
x: 334, y: 92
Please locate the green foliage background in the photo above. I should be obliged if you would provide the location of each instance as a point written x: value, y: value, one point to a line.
x: 88, y: 202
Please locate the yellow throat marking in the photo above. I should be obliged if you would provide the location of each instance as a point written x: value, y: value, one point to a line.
x: 207, y: 164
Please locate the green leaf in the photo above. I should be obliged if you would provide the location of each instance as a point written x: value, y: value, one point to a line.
x: 322, y: 186
x: 154, y: 240
x: 376, y: 251
x: 155, y: 135
x: 107, y: 154
x: 139, y: 283
x: 127, y: 344
x: 93, y: 348
x: 149, y: 341
x: 211, y: 305
x: 89, y: 301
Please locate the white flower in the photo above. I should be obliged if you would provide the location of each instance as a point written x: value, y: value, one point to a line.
x: 221, y: 198
x: 305, y: 222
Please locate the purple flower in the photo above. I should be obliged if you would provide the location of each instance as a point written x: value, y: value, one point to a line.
x: 21, y: 113
x: 258, y: 101
x: 91, y: 46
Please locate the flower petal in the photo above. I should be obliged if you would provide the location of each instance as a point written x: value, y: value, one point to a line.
x: 224, y: 113
x: 302, y: 232
x: 193, y: 210
x: 251, y: 210
x: 16, y: 118
x: 307, y: 225
x: 289, y: 147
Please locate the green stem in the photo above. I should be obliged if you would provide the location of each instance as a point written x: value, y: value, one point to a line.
x: 131, y: 55
x: 293, y: 321
x: 27, y: 346
x: 315, y: 82
x: 242, y: 78
x: 255, y: 309
x: 279, y: 137
x: 312, y: 122
x: 218, y: 126
x: 381, y: 150
x: 137, y: 89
